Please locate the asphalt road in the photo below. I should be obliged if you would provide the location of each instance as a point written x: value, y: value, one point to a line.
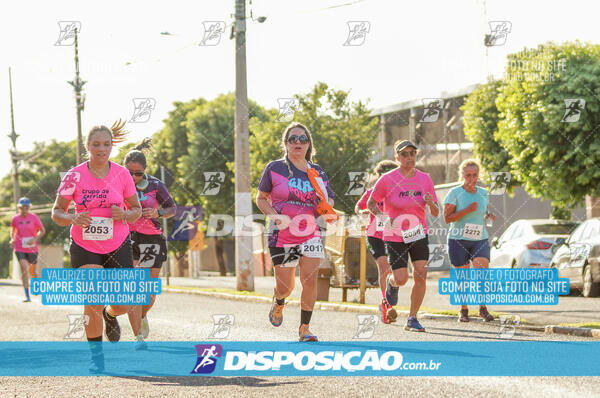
x: 182, y: 317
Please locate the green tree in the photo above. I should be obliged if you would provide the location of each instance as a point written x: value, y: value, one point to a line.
x: 39, y: 178
x: 481, y: 118
x: 198, y: 138
x: 554, y: 159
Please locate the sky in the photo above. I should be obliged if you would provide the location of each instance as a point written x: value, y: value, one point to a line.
x: 412, y: 50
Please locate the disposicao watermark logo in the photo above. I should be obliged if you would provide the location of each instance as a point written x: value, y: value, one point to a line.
x: 142, y: 109
x: 287, y: 109
x: 432, y: 108
x: 500, y: 180
x: 508, y: 326
x: 499, y: 31
x: 68, y: 182
x: 357, y: 33
x: 77, y: 324
x: 358, y: 182
x: 212, y: 33
x: 366, y: 326
x: 222, y: 326
x: 437, y: 254
x: 66, y: 36
x: 212, y: 182
x: 148, y: 254
x: 185, y: 226
x: 207, y: 358
x: 573, y: 109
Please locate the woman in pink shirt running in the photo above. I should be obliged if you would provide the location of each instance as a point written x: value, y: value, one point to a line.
x: 375, y: 241
x: 405, y: 192
x: 105, y: 201
x: 27, y: 229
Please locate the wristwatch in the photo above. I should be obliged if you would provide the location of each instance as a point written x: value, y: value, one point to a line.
x: 160, y: 212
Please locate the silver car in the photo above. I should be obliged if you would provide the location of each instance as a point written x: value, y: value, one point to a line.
x: 529, y: 243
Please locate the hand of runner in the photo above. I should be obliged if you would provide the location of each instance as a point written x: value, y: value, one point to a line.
x: 82, y: 219
x: 149, y: 212
x: 490, y: 216
x: 281, y: 221
x: 12, y: 244
x: 117, y: 213
x: 472, y: 207
x: 428, y: 199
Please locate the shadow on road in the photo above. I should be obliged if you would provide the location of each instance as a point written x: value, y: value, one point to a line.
x: 210, y: 381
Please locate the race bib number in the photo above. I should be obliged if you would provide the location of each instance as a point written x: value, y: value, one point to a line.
x: 28, y: 243
x: 413, y: 234
x: 312, y: 248
x: 473, y: 231
x: 381, y: 222
x: 101, y: 228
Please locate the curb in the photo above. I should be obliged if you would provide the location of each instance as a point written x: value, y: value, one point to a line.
x: 325, y: 306
x: 573, y: 331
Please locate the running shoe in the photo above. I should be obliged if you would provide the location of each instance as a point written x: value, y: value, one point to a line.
x: 145, y: 328
x: 413, y: 325
x: 391, y: 292
x: 276, y: 313
x: 483, y: 312
x: 305, y: 334
x: 112, y: 328
x: 463, y: 316
x: 97, y: 364
x: 140, y: 344
x: 388, y: 313
x: 27, y: 300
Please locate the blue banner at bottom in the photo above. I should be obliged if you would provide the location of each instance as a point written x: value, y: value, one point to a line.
x: 335, y: 358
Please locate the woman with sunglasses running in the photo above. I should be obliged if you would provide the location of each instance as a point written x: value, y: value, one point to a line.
x: 375, y: 241
x: 104, y: 194
x: 288, y: 196
x: 405, y: 192
x: 149, y: 243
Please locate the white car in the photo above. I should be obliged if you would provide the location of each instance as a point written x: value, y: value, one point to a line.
x: 529, y: 243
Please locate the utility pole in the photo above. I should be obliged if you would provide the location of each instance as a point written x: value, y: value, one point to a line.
x: 13, y: 151
x: 77, y: 84
x: 165, y: 232
x: 244, y: 265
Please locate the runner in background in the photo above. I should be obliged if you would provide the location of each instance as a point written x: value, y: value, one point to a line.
x: 465, y: 209
x: 149, y: 244
x: 27, y: 229
x: 286, y: 195
x: 105, y: 197
x: 375, y: 242
x: 405, y: 192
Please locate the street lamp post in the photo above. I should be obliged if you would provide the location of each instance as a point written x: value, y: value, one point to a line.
x: 13, y: 152
x: 77, y: 84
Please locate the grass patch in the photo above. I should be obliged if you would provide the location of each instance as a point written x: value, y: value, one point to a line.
x: 219, y: 290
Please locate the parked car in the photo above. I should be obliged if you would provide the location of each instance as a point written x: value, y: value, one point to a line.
x: 578, y: 258
x: 529, y: 243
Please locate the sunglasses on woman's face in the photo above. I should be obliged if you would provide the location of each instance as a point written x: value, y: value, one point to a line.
x: 293, y: 139
x: 136, y: 173
x: 406, y: 154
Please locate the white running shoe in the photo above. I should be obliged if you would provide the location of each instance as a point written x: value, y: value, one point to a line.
x: 145, y: 328
x: 140, y: 344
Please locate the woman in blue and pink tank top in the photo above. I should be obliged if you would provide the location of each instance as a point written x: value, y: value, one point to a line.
x: 287, y: 196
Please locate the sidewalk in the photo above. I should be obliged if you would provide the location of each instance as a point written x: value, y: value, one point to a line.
x: 265, y: 284
x: 569, y: 309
